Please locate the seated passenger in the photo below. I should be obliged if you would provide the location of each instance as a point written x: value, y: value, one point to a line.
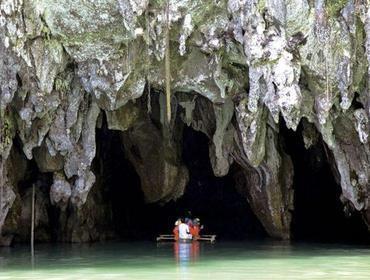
x: 195, y: 229
x: 176, y: 229
x: 189, y: 222
x: 184, y: 232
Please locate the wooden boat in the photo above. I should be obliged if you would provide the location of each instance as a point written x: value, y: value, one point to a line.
x: 170, y: 237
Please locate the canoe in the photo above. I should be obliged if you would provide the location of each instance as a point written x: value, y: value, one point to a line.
x: 170, y: 237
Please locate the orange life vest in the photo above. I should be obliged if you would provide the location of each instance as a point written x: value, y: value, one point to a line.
x: 176, y: 232
x: 194, y: 231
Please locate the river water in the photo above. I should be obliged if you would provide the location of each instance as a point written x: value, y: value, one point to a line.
x: 222, y: 260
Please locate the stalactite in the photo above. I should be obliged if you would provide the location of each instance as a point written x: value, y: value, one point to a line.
x: 33, y: 221
x: 149, y: 106
x: 167, y: 64
x: 166, y: 129
x: 327, y: 73
x: 2, y: 143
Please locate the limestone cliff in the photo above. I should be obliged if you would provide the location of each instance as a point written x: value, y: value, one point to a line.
x: 238, y: 68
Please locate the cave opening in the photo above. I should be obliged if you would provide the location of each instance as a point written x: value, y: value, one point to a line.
x: 120, y: 185
x: 319, y: 215
x: 24, y: 175
x: 215, y: 200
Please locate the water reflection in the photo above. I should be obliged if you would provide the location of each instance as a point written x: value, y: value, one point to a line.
x: 186, y: 252
x: 188, y: 261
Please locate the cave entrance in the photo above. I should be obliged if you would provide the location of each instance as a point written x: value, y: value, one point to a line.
x: 318, y: 212
x: 214, y: 200
x: 120, y: 186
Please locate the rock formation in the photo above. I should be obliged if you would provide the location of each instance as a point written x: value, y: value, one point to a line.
x: 238, y: 68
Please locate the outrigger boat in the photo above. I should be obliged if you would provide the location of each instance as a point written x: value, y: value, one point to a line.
x: 171, y: 237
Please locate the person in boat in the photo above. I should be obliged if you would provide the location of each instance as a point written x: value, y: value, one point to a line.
x: 189, y: 221
x: 188, y: 218
x: 175, y: 230
x: 184, y: 232
x: 195, y: 229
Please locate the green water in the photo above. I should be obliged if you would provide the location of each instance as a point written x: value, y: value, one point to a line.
x: 187, y: 261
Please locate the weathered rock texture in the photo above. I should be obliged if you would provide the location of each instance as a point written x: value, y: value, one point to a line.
x: 238, y: 68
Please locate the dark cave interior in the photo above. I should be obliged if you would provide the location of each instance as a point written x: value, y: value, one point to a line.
x: 318, y: 211
x: 222, y: 210
x: 318, y: 214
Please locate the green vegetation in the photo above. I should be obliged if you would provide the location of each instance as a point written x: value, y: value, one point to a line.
x: 6, y: 132
x: 261, y: 5
x: 61, y: 85
x: 333, y: 7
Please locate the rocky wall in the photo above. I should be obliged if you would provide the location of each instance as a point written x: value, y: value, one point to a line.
x: 238, y: 67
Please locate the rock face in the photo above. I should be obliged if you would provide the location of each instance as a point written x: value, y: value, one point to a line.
x: 238, y: 68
